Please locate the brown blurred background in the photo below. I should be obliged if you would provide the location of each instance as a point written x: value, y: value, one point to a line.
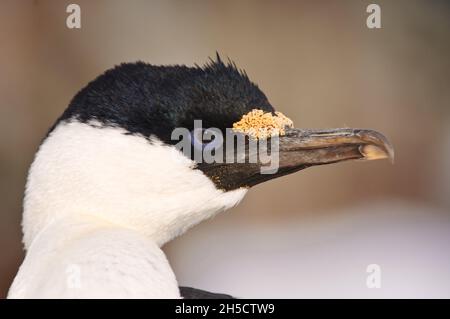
x: 306, y: 235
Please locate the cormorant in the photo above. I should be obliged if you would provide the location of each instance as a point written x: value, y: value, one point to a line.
x: 109, y: 186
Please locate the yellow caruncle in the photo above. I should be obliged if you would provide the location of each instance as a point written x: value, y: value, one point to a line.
x: 261, y: 125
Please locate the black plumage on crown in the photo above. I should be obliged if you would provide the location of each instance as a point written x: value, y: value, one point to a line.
x: 153, y: 100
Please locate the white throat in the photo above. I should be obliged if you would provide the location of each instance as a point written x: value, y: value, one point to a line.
x: 125, y: 180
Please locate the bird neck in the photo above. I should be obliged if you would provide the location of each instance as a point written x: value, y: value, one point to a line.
x: 126, y: 180
x: 85, y: 257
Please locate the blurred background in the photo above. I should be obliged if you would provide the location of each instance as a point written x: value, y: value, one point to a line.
x: 311, y: 234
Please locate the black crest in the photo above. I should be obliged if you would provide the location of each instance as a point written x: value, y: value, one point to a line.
x: 153, y: 100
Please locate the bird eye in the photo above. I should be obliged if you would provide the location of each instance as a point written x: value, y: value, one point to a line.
x: 210, y: 138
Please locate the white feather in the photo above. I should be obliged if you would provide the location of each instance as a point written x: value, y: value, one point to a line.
x: 105, y: 201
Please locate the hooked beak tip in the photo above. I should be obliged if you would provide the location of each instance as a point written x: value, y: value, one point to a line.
x: 377, y: 147
x: 374, y: 152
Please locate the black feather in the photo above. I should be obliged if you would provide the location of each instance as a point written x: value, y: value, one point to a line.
x: 193, y: 293
x: 153, y: 100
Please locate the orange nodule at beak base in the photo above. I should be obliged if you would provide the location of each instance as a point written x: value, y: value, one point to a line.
x: 261, y: 125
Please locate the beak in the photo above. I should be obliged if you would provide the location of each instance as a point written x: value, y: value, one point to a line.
x: 315, y: 147
x: 302, y: 148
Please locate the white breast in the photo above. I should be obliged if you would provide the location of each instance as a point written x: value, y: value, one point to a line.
x: 138, y: 194
x: 88, y: 258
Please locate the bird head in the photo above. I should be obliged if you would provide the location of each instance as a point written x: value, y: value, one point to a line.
x: 125, y: 150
